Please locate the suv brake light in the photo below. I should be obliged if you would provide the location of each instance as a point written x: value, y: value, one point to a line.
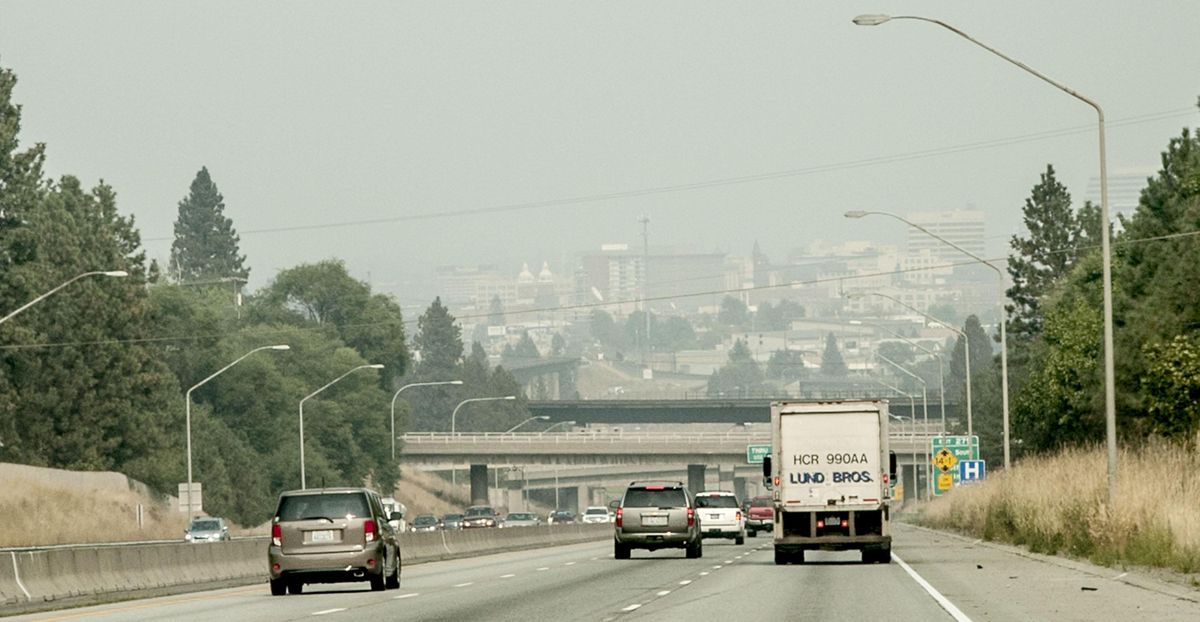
x: 739, y: 515
x: 276, y: 535
x: 655, y: 488
x: 369, y: 529
x: 691, y: 517
x: 620, y: 516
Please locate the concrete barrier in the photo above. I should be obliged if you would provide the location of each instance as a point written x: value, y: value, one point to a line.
x: 33, y: 579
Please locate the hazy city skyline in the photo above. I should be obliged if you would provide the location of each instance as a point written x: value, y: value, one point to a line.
x: 764, y: 124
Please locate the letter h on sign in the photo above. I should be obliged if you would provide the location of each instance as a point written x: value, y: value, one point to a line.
x: 971, y: 471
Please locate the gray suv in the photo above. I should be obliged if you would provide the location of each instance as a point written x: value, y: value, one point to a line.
x: 332, y: 535
x: 656, y: 515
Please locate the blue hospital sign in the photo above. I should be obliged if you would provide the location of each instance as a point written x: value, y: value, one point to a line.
x: 971, y: 471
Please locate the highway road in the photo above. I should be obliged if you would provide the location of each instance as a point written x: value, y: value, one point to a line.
x: 963, y: 580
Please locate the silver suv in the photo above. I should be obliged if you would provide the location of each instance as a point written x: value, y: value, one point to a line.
x: 656, y: 515
x: 332, y: 535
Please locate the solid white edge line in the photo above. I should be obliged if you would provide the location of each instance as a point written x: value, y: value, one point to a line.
x: 321, y: 613
x: 942, y: 601
x: 405, y: 596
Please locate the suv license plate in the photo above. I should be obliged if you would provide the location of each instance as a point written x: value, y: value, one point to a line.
x: 325, y: 535
x: 714, y: 516
x: 654, y: 521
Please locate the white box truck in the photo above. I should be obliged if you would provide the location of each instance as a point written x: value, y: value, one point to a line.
x: 830, y: 472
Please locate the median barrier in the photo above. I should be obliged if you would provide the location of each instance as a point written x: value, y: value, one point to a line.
x: 86, y: 574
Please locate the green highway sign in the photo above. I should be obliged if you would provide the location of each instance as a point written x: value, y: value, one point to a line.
x: 756, y: 453
x: 947, y: 452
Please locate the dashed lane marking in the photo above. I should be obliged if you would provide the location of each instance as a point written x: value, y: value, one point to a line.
x: 321, y: 613
x: 403, y: 596
x: 704, y: 574
x: 465, y: 584
x: 663, y: 593
x: 632, y: 607
x: 569, y: 564
x: 685, y: 582
x: 507, y: 576
x: 543, y: 568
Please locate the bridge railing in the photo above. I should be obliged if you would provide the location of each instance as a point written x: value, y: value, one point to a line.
x: 917, y: 437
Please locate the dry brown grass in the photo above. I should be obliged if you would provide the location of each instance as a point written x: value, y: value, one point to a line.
x: 40, y: 513
x: 1058, y: 504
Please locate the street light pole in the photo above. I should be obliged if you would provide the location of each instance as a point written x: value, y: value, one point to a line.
x: 533, y: 418
x: 414, y: 384
x: 1110, y: 405
x: 1000, y: 310
x: 941, y: 368
x: 303, y: 481
x: 966, y: 346
x: 187, y: 401
x: 454, y: 414
x: 924, y: 408
x: 115, y: 273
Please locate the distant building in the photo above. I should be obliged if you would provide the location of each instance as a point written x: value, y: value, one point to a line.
x: 964, y: 228
x: 621, y: 276
x: 1124, y: 191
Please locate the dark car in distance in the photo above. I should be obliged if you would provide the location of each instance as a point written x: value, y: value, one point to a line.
x: 480, y: 516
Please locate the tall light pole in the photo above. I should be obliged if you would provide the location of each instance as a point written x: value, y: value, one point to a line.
x: 941, y: 368
x: 115, y: 273
x: 454, y: 415
x: 1110, y: 404
x: 533, y: 418
x: 303, y: 481
x: 966, y: 346
x: 407, y: 386
x: 924, y: 407
x: 645, y: 220
x: 187, y: 401
x: 1000, y: 310
x: 555, y: 426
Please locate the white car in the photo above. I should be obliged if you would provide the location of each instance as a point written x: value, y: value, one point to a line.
x: 595, y: 514
x: 720, y: 516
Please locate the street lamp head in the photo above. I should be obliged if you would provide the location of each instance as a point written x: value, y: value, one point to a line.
x: 115, y: 273
x: 455, y: 382
x: 871, y: 20
x: 509, y: 397
x: 281, y: 347
x: 375, y: 366
x: 542, y: 417
x: 855, y: 213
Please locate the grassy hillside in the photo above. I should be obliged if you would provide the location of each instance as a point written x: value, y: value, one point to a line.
x: 1058, y: 504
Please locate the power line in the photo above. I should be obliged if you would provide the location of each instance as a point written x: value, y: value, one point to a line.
x: 594, y: 305
x: 724, y: 181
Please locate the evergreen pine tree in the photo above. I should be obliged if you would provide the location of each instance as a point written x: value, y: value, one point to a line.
x: 206, y: 244
x: 832, y: 363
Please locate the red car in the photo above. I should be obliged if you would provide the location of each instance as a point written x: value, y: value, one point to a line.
x: 760, y: 516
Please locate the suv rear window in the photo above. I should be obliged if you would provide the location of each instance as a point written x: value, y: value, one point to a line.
x: 716, y: 501
x: 655, y: 498
x: 335, y: 505
x: 480, y: 510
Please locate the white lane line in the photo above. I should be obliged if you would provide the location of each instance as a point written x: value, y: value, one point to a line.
x: 729, y: 561
x: 321, y: 613
x: 1120, y: 575
x: 632, y: 607
x: 569, y: 564
x: 704, y: 574
x: 465, y: 584
x: 717, y: 567
x: 942, y: 601
x: 403, y: 596
x: 543, y: 568
x: 507, y: 576
x: 685, y: 582
x: 663, y: 593
x: 594, y: 559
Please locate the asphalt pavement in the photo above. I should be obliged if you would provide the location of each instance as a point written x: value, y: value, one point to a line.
x: 935, y: 576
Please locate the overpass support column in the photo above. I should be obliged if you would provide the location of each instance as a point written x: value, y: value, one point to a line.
x: 583, y: 498
x: 695, y: 481
x: 479, y: 484
x: 739, y: 488
x: 725, y: 478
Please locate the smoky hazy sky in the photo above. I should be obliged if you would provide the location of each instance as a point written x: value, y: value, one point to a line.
x: 312, y: 113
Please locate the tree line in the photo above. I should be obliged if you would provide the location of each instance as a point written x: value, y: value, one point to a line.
x: 94, y: 377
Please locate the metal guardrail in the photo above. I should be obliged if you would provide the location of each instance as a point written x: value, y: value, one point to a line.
x: 94, y: 545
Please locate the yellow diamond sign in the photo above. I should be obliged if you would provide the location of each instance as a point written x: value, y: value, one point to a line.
x: 945, y: 460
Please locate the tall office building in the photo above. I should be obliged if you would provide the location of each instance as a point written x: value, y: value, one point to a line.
x: 962, y: 227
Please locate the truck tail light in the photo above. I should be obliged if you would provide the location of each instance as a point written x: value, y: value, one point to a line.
x: 845, y: 523
x: 370, y: 529
x: 620, y: 517
x: 691, y: 517
x: 276, y: 535
x: 820, y: 523
x: 777, y: 481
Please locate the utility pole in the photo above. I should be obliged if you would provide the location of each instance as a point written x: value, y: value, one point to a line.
x: 645, y: 220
